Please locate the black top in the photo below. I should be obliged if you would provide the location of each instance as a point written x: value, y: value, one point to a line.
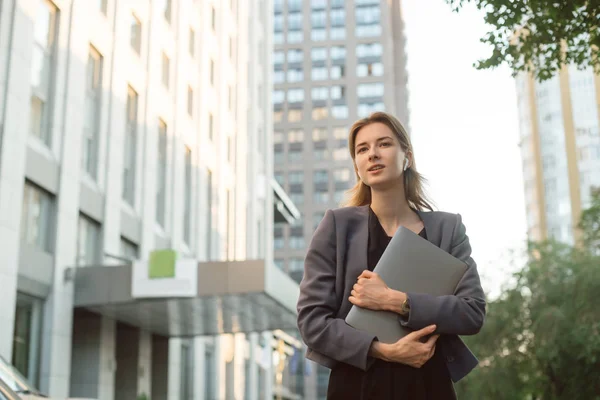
x: 386, y: 380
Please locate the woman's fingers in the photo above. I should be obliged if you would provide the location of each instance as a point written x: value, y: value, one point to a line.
x: 421, y: 333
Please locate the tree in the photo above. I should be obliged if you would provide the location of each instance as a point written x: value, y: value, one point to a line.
x: 539, y: 35
x: 541, y: 339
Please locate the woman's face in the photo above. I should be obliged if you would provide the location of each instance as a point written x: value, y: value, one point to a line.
x: 378, y: 156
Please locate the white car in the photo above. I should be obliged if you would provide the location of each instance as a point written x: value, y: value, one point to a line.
x: 18, y: 388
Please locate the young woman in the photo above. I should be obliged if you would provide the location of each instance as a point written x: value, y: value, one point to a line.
x: 338, y: 274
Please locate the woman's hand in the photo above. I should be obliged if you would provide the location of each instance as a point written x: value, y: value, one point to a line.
x: 410, y: 350
x: 370, y: 291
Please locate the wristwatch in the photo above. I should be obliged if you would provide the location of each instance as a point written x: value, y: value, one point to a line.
x: 405, y: 307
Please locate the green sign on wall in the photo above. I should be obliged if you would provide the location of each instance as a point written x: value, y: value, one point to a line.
x: 162, y: 264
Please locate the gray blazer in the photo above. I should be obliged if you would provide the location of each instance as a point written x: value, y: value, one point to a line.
x: 338, y: 254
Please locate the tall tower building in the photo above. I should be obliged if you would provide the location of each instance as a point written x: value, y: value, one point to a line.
x: 560, y: 147
x: 128, y: 127
x: 334, y: 62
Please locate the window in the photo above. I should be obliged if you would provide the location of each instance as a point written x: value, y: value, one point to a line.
x: 319, y: 113
x: 338, y: 17
x: 136, y: 34
x: 190, y: 101
x: 338, y: 92
x: 278, y: 96
x: 321, y: 154
x: 277, y: 137
x: 368, y: 30
x: 277, y: 116
x: 37, y: 217
x: 340, y: 133
x: 42, y: 73
x: 296, y: 264
x: 297, y: 198
x: 279, y: 177
x: 187, y: 206
x: 295, y: 21
x: 278, y: 242
x: 295, y: 56
x: 295, y: 156
x: 369, y: 50
x: 210, y: 367
x: 319, y: 134
x: 231, y: 49
x: 339, y: 196
x: 321, y: 197
x: 192, y: 42
x: 295, y: 115
x: 213, y: 18
x: 278, y: 23
x: 370, y: 89
x: 278, y: 57
x: 186, y: 390
x: 295, y: 177
x: 368, y: 15
x: 278, y: 38
x: 337, y: 33
x: 340, y: 111
x: 319, y: 73
x: 88, y: 242
x: 318, y: 35
x: 212, y: 72
x: 211, y: 127
x: 320, y: 176
x: 278, y: 77
x: 318, y: 19
x: 165, y: 70
x: 318, y: 4
x: 365, y: 109
x: 129, y: 250
x: 102, y: 6
x: 341, y: 154
x: 91, y: 127
x: 130, y: 147
x: 319, y: 93
x: 318, y: 54
x: 294, y: 5
x: 166, y: 8
x: 278, y: 158
x: 27, y: 337
x: 341, y: 175
x: 295, y: 75
x: 338, y: 53
x: 161, y: 174
x: 317, y: 218
x: 296, y: 136
x: 279, y: 264
x: 297, y: 242
x: 338, y: 71
x: 369, y: 69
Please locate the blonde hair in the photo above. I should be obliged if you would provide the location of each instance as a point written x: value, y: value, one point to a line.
x: 360, y: 194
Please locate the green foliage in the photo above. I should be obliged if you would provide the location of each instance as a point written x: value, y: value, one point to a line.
x: 528, y: 35
x: 541, y: 339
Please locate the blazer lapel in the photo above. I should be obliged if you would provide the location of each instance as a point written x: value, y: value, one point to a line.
x: 434, y: 235
x: 358, y: 241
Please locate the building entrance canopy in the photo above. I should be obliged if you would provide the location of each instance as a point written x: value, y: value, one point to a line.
x: 230, y: 297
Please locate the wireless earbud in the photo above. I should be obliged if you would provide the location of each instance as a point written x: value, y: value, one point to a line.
x: 405, y: 163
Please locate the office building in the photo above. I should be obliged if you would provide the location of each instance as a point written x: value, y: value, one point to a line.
x: 560, y: 147
x: 129, y: 127
x: 334, y: 62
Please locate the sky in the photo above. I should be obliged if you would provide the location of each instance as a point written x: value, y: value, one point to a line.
x: 464, y: 128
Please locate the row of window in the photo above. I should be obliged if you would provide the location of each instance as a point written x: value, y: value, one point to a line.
x: 296, y: 5
x: 296, y: 95
x: 320, y: 34
x: 339, y: 111
x: 318, y: 134
x: 298, y: 156
x: 363, y: 50
x: 320, y: 73
x: 364, y: 15
x: 340, y: 175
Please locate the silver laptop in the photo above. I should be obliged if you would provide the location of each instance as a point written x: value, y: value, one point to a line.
x: 410, y: 263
